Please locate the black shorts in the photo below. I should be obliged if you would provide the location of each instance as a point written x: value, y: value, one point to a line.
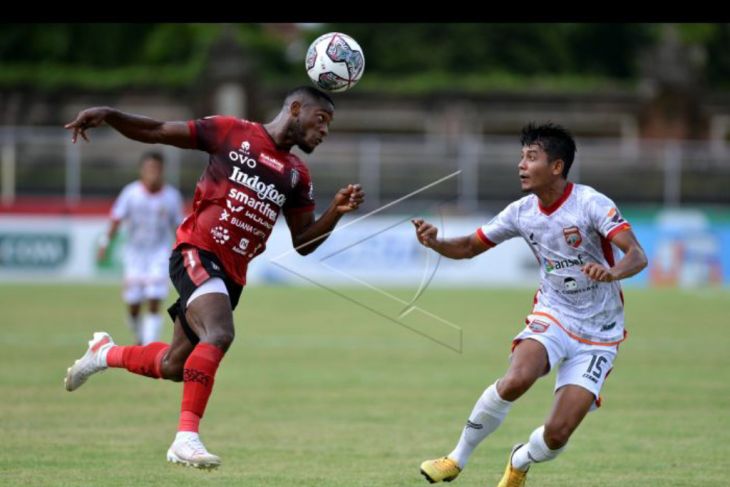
x: 190, y: 267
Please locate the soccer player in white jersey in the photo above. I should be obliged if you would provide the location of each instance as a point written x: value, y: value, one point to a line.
x: 577, y: 321
x: 151, y: 210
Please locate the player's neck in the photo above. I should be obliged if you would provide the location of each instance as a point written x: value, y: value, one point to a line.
x: 152, y: 188
x: 551, y: 193
x: 278, y: 130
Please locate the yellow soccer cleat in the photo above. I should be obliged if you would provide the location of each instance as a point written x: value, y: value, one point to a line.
x: 440, y: 469
x: 513, y: 477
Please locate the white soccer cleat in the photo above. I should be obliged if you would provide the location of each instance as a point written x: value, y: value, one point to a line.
x: 188, y: 450
x: 91, y: 363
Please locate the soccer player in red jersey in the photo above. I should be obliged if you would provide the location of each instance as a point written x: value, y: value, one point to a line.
x: 251, y: 178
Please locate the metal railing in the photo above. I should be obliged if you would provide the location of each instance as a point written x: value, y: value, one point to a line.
x: 42, y: 161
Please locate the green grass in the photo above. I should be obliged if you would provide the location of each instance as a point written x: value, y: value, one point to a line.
x: 318, y: 392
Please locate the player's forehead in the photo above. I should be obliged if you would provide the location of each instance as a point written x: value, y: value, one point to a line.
x: 322, y: 107
x: 534, y: 149
x: 151, y: 161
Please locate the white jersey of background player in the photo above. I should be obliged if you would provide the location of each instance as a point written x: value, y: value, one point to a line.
x: 151, y: 211
x: 577, y: 320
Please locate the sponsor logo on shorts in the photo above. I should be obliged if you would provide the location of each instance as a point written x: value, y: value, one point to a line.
x: 608, y: 326
x: 537, y: 326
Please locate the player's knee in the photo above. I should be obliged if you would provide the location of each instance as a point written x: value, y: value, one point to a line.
x: 512, y: 386
x: 221, y: 338
x: 172, y: 371
x: 557, y: 434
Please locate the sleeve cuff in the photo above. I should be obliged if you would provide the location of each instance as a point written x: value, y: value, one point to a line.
x: 618, y: 229
x: 193, y: 133
x: 483, y: 237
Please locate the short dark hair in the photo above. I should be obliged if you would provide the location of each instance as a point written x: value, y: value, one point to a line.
x: 309, y: 92
x: 157, y: 156
x: 555, y: 140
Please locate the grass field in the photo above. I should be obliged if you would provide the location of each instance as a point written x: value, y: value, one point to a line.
x: 318, y: 392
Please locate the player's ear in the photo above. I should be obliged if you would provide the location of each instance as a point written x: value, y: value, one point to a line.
x: 295, y: 108
x: 558, y: 165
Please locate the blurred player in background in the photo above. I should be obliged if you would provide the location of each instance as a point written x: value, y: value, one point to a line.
x: 151, y: 211
x: 577, y: 321
x: 252, y: 178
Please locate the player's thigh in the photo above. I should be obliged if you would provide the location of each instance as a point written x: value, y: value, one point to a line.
x: 587, y: 367
x: 211, y: 316
x: 537, y: 349
x: 528, y: 363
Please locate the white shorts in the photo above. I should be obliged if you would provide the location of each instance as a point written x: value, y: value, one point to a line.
x: 146, y: 274
x: 579, y: 363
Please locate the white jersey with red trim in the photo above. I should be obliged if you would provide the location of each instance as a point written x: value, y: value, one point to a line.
x: 150, y: 218
x: 575, y: 230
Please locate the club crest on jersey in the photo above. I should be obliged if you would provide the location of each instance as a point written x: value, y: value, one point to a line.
x: 294, y: 177
x: 572, y: 236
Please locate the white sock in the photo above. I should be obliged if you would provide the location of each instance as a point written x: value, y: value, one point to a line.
x: 150, y: 330
x: 535, y: 451
x: 488, y: 413
x: 134, y: 324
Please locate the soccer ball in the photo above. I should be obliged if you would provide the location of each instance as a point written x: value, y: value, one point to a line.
x: 335, y: 62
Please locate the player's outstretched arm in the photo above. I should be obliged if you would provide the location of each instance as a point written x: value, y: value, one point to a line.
x: 135, y: 127
x: 632, y: 263
x: 464, y: 247
x: 106, y: 239
x: 307, y: 233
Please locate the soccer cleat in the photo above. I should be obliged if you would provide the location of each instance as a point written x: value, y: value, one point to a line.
x: 91, y: 363
x: 440, y: 469
x: 188, y: 450
x: 513, y: 477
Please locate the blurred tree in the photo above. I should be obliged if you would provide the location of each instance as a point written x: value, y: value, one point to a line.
x: 529, y: 49
x: 413, y: 56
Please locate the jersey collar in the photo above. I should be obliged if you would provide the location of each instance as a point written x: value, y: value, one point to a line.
x: 558, y: 203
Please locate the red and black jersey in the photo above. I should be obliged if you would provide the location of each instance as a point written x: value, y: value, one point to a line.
x: 242, y: 191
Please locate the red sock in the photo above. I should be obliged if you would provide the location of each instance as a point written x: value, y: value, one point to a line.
x: 198, y: 378
x: 143, y: 360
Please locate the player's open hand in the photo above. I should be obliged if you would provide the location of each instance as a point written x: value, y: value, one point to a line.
x: 349, y: 198
x: 597, y: 272
x: 101, y: 253
x: 425, y: 232
x: 86, y: 119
